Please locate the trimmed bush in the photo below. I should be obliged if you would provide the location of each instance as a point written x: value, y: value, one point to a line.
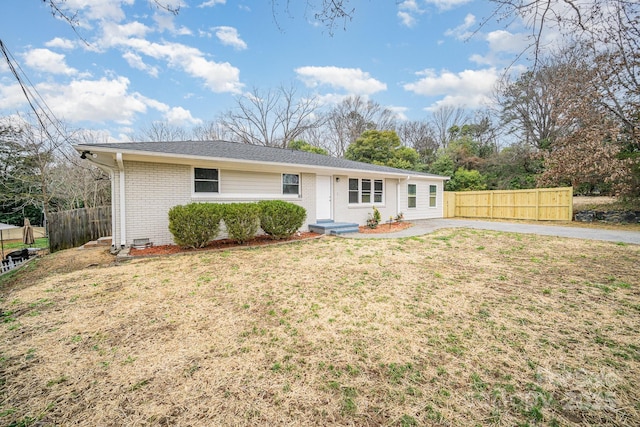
x: 242, y: 220
x: 281, y: 219
x: 196, y: 224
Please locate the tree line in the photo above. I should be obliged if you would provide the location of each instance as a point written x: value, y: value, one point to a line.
x: 573, y: 118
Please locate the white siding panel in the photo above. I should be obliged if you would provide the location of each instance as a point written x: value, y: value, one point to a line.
x: 422, y: 209
x: 358, y: 213
x: 239, y: 182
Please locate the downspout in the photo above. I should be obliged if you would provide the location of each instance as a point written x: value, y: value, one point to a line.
x: 112, y: 177
x: 398, y: 197
x: 123, y: 221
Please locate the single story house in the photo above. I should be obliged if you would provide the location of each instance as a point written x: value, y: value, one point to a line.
x: 148, y: 178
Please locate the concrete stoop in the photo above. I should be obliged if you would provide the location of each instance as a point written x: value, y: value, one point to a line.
x: 335, y: 228
x: 101, y: 242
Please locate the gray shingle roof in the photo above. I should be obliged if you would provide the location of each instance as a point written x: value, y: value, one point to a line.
x: 237, y: 151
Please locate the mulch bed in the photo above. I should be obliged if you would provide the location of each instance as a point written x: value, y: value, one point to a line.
x: 262, y: 240
x: 385, y: 227
x: 221, y: 244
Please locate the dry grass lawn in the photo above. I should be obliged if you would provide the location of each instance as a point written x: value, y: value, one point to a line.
x: 456, y: 328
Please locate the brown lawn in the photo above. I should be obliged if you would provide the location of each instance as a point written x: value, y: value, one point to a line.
x: 458, y: 328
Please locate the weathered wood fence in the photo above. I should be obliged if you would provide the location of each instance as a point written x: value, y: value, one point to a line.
x: 539, y: 204
x: 68, y: 229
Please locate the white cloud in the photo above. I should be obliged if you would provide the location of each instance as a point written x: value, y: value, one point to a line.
x: 462, y: 31
x: 407, y: 19
x: 115, y: 34
x: 447, y: 4
x: 93, y: 100
x: 11, y: 97
x: 135, y: 61
x: 470, y: 88
x: 45, y: 60
x: 99, y: 9
x: 60, y: 43
x: 219, y: 77
x: 99, y: 101
x: 229, y: 36
x: 502, y: 42
x: 211, y: 3
x: 406, y: 11
x: 353, y: 80
x: 166, y: 22
x: 399, y: 112
x: 179, y: 116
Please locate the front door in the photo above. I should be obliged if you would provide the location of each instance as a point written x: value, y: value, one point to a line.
x: 323, y: 197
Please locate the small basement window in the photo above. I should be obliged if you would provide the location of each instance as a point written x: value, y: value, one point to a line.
x: 206, y: 180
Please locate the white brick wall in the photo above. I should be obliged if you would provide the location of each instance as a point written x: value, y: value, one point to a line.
x: 152, y: 189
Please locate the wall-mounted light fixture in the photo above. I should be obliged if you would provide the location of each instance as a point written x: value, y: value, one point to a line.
x: 337, y: 179
x: 85, y: 153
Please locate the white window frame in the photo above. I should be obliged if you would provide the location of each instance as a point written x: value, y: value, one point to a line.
x: 413, y: 196
x: 298, y: 184
x: 433, y: 196
x: 372, y: 193
x: 194, y: 180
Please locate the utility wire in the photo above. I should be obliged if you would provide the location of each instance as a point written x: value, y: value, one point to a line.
x: 37, y: 104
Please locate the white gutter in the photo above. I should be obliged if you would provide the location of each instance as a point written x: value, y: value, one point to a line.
x: 123, y: 221
x: 302, y: 167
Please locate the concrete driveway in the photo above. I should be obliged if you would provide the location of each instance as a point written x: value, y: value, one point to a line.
x: 422, y: 227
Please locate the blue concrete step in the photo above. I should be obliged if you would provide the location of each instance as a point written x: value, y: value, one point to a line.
x: 345, y: 230
x: 323, y: 221
x: 330, y: 227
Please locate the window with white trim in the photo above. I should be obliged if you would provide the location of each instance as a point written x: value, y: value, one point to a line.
x: 206, y: 180
x: 411, y: 195
x: 291, y: 183
x: 354, y: 190
x: 433, y: 193
x: 365, y: 190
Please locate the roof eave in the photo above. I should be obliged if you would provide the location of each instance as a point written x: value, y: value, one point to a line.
x: 301, y: 166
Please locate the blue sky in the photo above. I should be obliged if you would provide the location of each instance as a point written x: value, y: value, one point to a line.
x: 140, y: 64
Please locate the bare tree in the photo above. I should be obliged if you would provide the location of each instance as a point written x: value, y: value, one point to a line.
x: 273, y: 118
x: 420, y: 136
x: 443, y: 119
x: 161, y: 131
x: 607, y: 33
x: 209, y: 131
x: 589, y: 150
x: 354, y: 115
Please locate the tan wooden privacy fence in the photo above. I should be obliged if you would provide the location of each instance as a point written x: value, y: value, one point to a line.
x: 540, y: 204
x: 68, y: 229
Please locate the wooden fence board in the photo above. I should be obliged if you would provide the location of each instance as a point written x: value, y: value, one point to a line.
x: 539, y: 204
x: 69, y: 229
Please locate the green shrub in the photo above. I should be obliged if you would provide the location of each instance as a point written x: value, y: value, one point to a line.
x: 196, y: 224
x: 242, y: 220
x: 281, y: 219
